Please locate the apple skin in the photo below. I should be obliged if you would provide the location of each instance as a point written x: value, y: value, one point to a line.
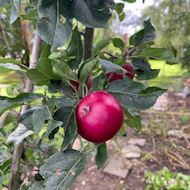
x: 76, y: 84
x: 130, y: 70
x: 128, y: 67
x: 118, y: 75
x: 99, y: 116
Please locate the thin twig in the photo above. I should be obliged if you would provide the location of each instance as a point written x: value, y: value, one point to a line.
x: 153, y: 157
x: 4, y: 36
x: 27, y: 165
x: 153, y: 144
x: 181, y: 149
x: 88, y: 50
x: 33, y: 147
x: 3, y: 143
x: 180, y: 162
x: 111, y: 55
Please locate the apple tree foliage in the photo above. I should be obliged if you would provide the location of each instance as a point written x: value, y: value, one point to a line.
x: 48, y: 129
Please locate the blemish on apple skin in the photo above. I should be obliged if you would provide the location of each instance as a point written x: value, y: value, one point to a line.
x: 86, y: 110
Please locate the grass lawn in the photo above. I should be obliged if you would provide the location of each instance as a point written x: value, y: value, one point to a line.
x: 170, y: 76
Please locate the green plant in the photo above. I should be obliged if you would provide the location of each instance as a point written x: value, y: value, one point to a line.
x: 148, y: 157
x: 184, y: 118
x: 63, y: 51
x: 166, y: 180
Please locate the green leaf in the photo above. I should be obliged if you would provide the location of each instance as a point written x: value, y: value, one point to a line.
x: 43, y: 72
x: 32, y: 15
x: 159, y: 54
x: 100, y: 45
x: 99, y: 83
x: 5, y: 165
x: 101, y: 155
x: 9, y: 103
x: 12, y: 67
x: 53, y: 124
x: 63, y: 114
x: 37, y: 77
x: 119, y: 61
x: 7, y: 118
x: 50, y: 103
x: 64, y: 101
x: 166, y: 173
x: 132, y: 95
x: 92, y: 13
x: 141, y: 64
x: 38, y: 118
x: 4, y: 179
x: 108, y: 66
x: 119, y: 7
x: 55, y: 55
x: 75, y: 48
x: 141, y: 75
x: 121, y: 132
x: 59, y: 86
x: 117, y: 42
x: 66, y: 114
x: 61, y: 169
x: 37, y: 185
x: 15, y: 11
x: 133, y: 120
x: 19, y: 134
x: 65, y: 8
x: 10, y: 60
x: 146, y: 35
x: 149, y: 187
x: 86, y: 69
x: 26, y: 117
x: 121, y: 17
x: 45, y: 64
x: 63, y: 70
x: 70, y: 131
x: 129, y: 1
x: 49, y: 27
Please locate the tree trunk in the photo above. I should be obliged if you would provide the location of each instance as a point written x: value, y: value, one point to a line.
x: 88, y: 48
x: 18, y: 150
x: 88, y: 43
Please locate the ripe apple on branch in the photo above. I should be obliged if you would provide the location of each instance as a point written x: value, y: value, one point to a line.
x: 118, y: 75
x: 99, y: 116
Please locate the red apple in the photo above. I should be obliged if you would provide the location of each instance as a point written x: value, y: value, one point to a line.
x: 90, y: 80
x: 118, y: 75
x: 76, y: 84
x: 128, y: 67
x: 130, y: 70
x: 99, y: 116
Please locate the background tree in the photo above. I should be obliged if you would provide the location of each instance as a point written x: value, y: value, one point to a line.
x: 171, y: 19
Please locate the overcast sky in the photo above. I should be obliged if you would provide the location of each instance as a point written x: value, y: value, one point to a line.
x: 136, y: 10
x: 138, y: 4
